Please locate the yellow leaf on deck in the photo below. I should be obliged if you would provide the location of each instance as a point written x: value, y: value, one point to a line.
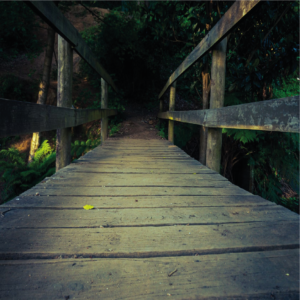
x: 87, y: 207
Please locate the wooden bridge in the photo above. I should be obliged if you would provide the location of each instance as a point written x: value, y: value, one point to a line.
x: 156, y: 212
x: 163, y: 224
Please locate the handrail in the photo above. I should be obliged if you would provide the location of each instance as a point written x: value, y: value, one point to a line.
x: 17, y: 117
x: 54, y: 17
x: 271, y: 115
x: 234, y: 14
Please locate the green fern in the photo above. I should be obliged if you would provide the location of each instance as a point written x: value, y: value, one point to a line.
x: 43, y: 150
x: 243, y: 135
x: 13, y: 155
x: 18, y: 176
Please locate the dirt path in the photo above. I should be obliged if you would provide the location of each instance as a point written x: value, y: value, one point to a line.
x: 139, y: 124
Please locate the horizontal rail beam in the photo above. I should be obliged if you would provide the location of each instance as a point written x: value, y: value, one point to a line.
x: 54, y: 18
x: 271, y: 115
x: 234, y: 14
x: 17, y: 117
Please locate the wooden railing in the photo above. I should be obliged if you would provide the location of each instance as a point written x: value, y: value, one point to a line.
x: 18, y: 117
x: 272, y: 115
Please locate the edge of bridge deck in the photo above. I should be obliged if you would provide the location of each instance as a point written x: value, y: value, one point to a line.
x: 156, y: 212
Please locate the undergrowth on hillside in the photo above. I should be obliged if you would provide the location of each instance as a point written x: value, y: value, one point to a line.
x: 18, y: 176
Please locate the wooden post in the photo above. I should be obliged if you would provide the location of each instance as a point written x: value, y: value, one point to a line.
x: 203, y: 130
x: 214, y: 135
x: 104, y: 104
x: 64, y: 99
x: 172, y: 108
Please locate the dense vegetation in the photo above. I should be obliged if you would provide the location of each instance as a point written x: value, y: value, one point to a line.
x: 141, y: 45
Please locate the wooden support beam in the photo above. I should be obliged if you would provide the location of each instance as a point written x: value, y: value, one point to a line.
x: 104, y: 104
x: 54, y: 17
x: 217, y: 94
x: 172, y: 108
x: 64, y: 99
x: 234, y: 14
x: 18, y: 117
x: 271, y: 115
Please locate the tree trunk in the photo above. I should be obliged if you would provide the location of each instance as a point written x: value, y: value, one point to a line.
x: 44, y: 86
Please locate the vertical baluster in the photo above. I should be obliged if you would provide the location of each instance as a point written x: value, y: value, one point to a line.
x: 172, y: 108
x: 64, y: 99
x: 214, y: 135
x: 104, y: 104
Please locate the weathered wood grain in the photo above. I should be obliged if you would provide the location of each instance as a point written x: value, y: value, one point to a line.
x: 234, y: 14
x: 78, y: 181
x: 171, y: 108
x: 100, y: 179
x: 163, y: 162
x: 147, y: 241
x: 17, y: 117
x: 137, y: 142
x: 54, y: 17
x: 86, y: 167
x: 214, y: 189
x: 129, y: 202
x: 217, y: 95
x: 139, y: 154
x: 79, y: 218
x: 64, y: 99
x: 271, y: 115
x: 260, y: 275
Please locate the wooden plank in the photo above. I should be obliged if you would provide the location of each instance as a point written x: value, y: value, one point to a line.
x: 140, y: 154
x: 163, y: 162
x: 146, y: 241
x: 259, y: 275
x: 129, y: 202
x: 79, y: 218
x: 126, y: 180
x: 79, y: 179
x: 270, y: 115
x: 141, y: 169
x: 126, y: 150
x: 54, y: 17
x: 142, y: 142
x: 17, y: 117
x: 234, y: 14
x: 212, y: 190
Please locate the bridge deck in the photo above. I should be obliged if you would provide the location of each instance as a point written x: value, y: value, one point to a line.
x: 163, y: 224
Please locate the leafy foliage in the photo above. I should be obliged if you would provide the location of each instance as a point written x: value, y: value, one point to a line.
x: 18, y: 176
x: 17, y: 30
x: 80, y: 148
